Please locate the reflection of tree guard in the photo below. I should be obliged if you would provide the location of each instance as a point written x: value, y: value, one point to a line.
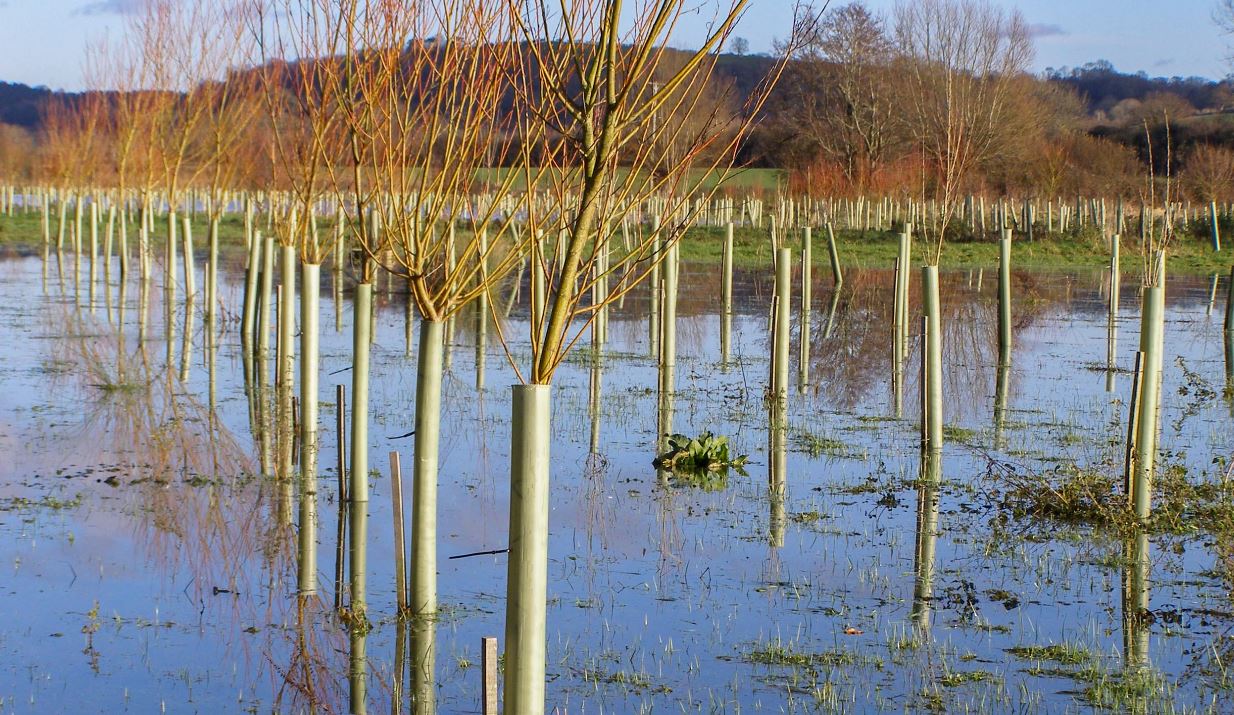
x: 777, y: 468
x: 423, y: 666
x: 594, y: 401
x: 832, y: 308
x: 482, y: 310
x: 108, y: 238
x: 186, y: 338
x: 358, y: 625
x: 94, y: 251
x: 807, y: 253
x: 1135, y: 601
x: 926, y: 539
x: 212, y: 273
x: 664, y: 430
x: 1001, y: 387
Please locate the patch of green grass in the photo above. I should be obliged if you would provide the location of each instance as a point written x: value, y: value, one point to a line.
x: 817, y: 446
x: 51, y: 503
x: 806, y: 517
x: 1062, y: 653
x: 957, y: 678
x: 785, y: 655
x: 960, y: 434
x: 636, y: 682
x: 113, y: 388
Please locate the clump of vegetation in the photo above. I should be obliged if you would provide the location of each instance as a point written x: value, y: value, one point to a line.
x: 1061, y: 653
x: 1067, y: 494
x: 52, y: 503
x: 633, y: 682
x: 957, y: 678
x: 1094, y: 497
x: 776, y: 653
x: 1129, y: 690
x: 707, y: 453
x: 817, y: 446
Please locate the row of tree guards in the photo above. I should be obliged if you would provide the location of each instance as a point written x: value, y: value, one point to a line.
x: 483, y: 254
x: 862, y: 213
x: 262, y: 253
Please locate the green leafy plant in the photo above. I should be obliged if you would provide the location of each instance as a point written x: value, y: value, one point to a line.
x: 700, y: 456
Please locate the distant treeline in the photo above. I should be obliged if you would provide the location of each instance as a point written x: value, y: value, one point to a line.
x: 1094, y: 130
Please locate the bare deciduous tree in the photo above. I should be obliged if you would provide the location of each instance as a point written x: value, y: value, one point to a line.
x: 839, y: 92
x: 959, y: 63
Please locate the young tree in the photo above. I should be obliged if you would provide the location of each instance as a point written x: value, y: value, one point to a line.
x: 959, y: 62
x: 590, y: 76
x: 303, y: 87
x: 432, y: 78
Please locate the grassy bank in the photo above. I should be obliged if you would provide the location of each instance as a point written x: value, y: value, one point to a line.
x: 1189, y: 254
x: 877, y: 249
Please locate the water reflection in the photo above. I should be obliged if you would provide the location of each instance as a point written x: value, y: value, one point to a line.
x: 423, y: 666
x: 777, y: 469
x: 926, y: 538
x: 1135, y: 602
x: 224, y: 528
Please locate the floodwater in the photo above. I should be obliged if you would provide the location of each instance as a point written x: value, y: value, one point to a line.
x: 149, y: 566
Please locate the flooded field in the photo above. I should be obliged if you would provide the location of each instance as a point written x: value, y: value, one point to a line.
x: 151, y: 560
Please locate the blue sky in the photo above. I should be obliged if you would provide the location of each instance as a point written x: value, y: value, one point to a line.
x: 43, y: 41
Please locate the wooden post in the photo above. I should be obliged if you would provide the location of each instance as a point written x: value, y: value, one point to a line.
x: 341, y: 540
x: 1133, y: 426
x: 400, y: 553
x: 489, y: 667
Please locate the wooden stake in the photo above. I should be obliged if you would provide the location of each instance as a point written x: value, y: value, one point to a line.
x: 340, y: 548
x: 400, y: 552
x: 488, y: 660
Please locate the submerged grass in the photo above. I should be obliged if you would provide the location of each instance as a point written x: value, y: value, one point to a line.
x: 780, y: 654
x: 1061, y: 653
